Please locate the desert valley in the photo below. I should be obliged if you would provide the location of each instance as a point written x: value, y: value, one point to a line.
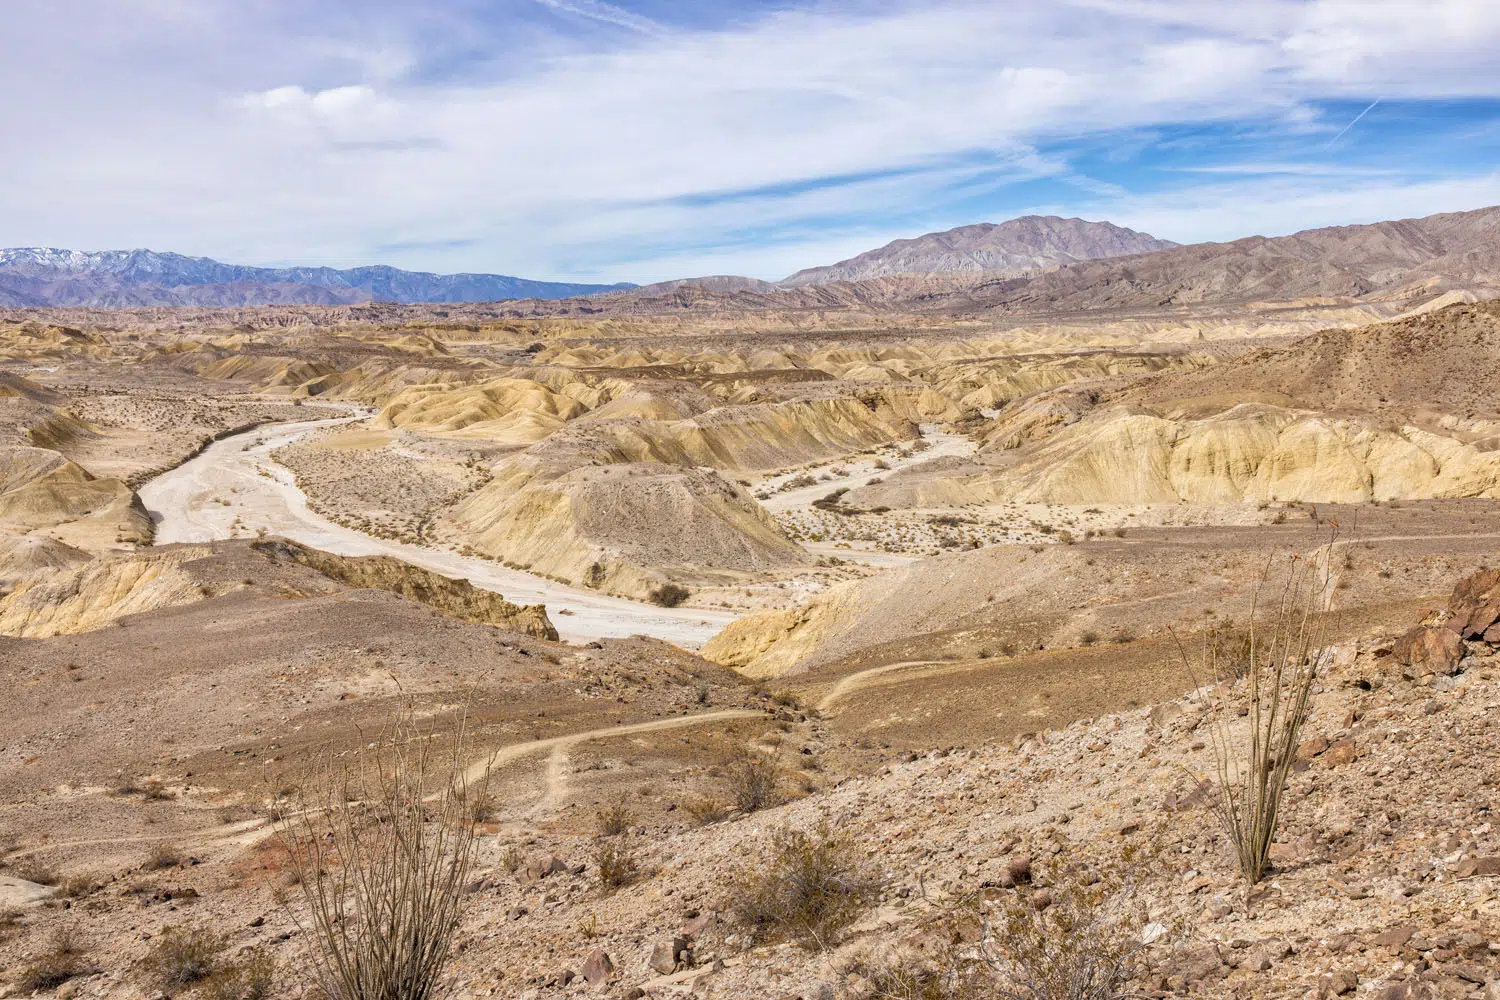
x: 913, y: 573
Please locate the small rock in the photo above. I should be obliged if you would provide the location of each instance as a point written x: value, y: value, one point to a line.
x: 1395, y: 937
x: 597, y: 967
x: 1337, y: 983
x: 665, y: 955
x: 1471, y: 867
x: 699, y: 925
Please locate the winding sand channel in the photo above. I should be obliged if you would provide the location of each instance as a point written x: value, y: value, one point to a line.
x: 188, y: 505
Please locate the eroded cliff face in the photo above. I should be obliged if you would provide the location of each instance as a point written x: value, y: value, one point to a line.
x: 57, y: 595
x: 455, y: 597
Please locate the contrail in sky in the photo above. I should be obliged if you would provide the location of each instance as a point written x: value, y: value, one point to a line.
x: 1352, y: 124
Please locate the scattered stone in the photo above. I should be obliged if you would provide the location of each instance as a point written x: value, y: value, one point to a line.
x: 666, y: 955
x: 597, y: 967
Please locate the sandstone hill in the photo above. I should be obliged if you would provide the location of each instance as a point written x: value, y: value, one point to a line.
x: 1392, y: 411
x: 1030, y: 243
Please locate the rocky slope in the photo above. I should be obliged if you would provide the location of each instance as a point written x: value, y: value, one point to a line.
x: 1029, y: 243
x: 1383, y: 880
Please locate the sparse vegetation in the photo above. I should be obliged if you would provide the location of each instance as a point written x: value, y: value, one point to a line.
x: 383, y: 866
x: 181, y: 957
x: 162, y: 855
x: 249, y: 977
x: 34, y: 870
x: 810, y: 887
x: 752, y: 783
x: 63, y: 960
x: 1269, y: 673
x: 705, y: 810
x: 1078, y: 939
x: 615, y: 862
x: 613, y: 819
x: 670, y: 595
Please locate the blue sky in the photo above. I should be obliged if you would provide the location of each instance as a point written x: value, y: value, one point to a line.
x: 649, y: 139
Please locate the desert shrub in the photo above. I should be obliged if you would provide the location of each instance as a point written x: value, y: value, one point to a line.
x: 670, y: 595
x: 249, y: 977
x: 180, y: 957
x: 752, y: 783
x: 705, y: 810
x: 79, y: 886
x: 616, y: 863
x: 63, y: 960
x: 154, y: 791
x: 383, y: 863
x: 34, y: 870
x: 704, y: 693
x: 1079, y: 939
x: 161, y: 856
x: 1089, y: 637
x: 613, y: 819
x: 1278, y: 660
x: 10, y: 920
x: 482, y: 805
x: 810, y: 887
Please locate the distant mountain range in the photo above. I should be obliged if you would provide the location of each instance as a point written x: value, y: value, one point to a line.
x: 1399, y: 260
x: 36, y: 276
x: 1030, y: 243
x: 1034, y: 264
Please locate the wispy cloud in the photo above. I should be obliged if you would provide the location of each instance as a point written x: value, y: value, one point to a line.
x: 278, y: 130
x: 597, y: 10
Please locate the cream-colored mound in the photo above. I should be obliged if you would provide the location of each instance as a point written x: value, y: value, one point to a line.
x: 40, y: 489
x: 98, y: 593
x: 509, y: 410
x: 24, y: 556
x: 1249, y: 453
x: 626, y: 529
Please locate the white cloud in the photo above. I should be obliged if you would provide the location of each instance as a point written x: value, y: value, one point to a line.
x: 266, y: 131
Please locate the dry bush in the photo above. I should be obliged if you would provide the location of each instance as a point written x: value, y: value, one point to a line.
x: 162, y: 856
x: 615, y: 859
x: 383, y: 878
x: 752, y: 783
x: 248, y: 978
x: 1279, y: 658
x: 63, y: 960
x: 483, y: 806
x: 79, y: 886
x: 1076, y: 940
x: 669, y: 595
x: 613, y: 819
x: 180, y: 957
x: 10, y: 918
x: 33, y: 870
x: 705, y: 810
x: 811, y: 887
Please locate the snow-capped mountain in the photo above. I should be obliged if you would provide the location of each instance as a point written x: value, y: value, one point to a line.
x: 47, y: 276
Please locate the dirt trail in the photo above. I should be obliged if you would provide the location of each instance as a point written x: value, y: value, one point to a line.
x: 234, y: 489
x: 248, y: 832
x: 869, y: 677
x: 516, y: 751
